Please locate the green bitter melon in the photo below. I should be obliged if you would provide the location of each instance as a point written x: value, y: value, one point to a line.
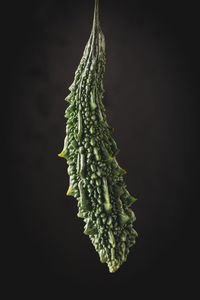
x: 96, y: 179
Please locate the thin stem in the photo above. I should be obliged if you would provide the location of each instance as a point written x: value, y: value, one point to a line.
x: 96, y: 14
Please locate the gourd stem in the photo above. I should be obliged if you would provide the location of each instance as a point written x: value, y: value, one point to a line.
x: 96, y: 15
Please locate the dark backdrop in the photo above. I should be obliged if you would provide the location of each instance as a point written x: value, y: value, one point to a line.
x: 151, y: 101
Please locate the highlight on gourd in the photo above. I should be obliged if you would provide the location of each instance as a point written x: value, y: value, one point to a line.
x: 95, y: 178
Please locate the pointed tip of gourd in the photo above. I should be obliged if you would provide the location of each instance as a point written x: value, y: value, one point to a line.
x: 71, y: 87
x: 61, y: 155
x: 122, y: 171
x: 70, y: 192
x: 114, y: 264
x: 133, y: 199
x: 113, y: 269
x: 68, y: 98
x: 124, y: 218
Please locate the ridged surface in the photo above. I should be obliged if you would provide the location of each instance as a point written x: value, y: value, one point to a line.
x: 96, y: 179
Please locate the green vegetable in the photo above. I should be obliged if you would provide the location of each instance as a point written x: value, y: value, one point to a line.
x: 96, y: 179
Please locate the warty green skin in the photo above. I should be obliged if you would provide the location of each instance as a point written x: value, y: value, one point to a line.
x: 96, y: 179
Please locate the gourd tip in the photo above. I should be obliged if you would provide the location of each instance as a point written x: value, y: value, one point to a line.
x: 124, y: 218
x: 69, y: 192
x: 61, y: 155
x: 133, y: 199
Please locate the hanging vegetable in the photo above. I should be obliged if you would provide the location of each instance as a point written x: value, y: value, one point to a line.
x: 96, y: 179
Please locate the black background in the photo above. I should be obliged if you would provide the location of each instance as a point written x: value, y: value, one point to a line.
x: 151, y: 88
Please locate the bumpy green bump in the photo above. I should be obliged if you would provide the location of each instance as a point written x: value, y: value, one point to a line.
x: 102, y: 256
x: 92, y: 100
x: 80, y: 124
x: 107, y: 204
x: 82, y: 166
x: 90, y: 228
x: 96, y: 179
x: 83, y: 198
x: 111, y: 238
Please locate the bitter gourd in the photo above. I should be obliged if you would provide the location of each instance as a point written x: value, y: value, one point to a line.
x: 96, y: 179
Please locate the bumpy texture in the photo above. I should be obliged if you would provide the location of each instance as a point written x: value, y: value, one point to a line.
x: 96, y: 179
